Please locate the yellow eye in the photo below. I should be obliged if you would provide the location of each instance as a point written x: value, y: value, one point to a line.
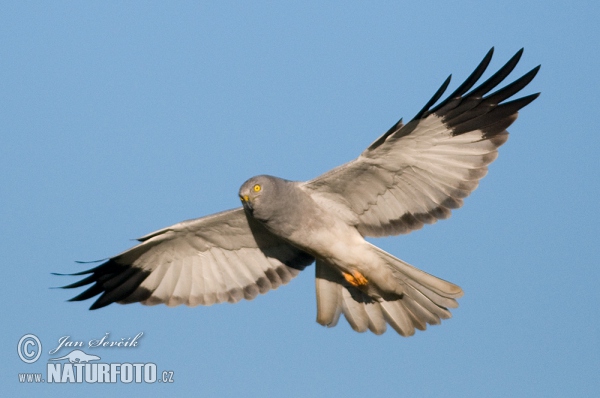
x: 256, y: 188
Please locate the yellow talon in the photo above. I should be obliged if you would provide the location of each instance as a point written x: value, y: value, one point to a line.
x: 355, y: 279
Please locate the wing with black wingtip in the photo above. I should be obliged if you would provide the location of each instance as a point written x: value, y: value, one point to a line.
x: 224, y: 257
x: 414, y: 174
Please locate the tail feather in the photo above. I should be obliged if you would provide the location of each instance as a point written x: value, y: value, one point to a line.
x: 425, y: 300
x: 376, y: 318
x: 412, y: 275
x: 433, y: 309
x: 398, y: 318
x: 439, y: 300
x: 355, y: 312
x: 329, y: 295
x: 335, y: 296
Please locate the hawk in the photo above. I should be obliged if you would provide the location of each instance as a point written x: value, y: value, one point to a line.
x: 414, y: 174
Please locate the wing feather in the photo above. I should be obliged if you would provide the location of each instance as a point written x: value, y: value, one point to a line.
x: 220, y: 258
x: 182, y: 288
x: 415, y: 173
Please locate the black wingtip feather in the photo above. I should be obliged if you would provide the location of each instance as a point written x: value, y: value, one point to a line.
x: 434, y: 99
x: 392, y: 129
x: 106, y: 264
x: 521, y: 102
x: 475, y: 97
x: 494, y: 116
x: 83, y: 282
x: 97, y: 304
x: 120, y: 288
x: 397, y: 126
x: 474, y: 110
x: 513, y: 88
x: 112, y: 280
x: 497, y: 77
x: 91, y: 262
x: 469, y: 82
x: 89, y: 293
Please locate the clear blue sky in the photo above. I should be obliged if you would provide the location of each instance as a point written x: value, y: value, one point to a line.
x: 119, y: 118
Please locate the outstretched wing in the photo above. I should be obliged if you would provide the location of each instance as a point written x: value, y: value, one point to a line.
x: 415, y: 173
x: 223, y: 257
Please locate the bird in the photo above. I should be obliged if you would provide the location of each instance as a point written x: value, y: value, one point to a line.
x: 414, y: 174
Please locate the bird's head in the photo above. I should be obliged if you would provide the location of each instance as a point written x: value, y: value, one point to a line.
x: 256, y: 190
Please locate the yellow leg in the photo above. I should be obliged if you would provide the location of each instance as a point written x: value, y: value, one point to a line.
x: 355, y: 279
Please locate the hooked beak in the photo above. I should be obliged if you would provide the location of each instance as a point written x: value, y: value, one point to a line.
x: 246, y: 202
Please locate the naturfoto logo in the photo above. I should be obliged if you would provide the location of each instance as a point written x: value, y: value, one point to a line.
x: 79, y: 366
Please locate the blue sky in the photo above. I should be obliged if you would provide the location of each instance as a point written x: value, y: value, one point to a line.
x: 120, y: 118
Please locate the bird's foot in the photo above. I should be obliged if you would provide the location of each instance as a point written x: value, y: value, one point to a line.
x: 356, y: 279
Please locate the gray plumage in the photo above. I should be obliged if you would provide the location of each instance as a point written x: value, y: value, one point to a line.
x: 412, y: 175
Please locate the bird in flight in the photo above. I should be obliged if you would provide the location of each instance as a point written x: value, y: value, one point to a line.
x: 414, y: 174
